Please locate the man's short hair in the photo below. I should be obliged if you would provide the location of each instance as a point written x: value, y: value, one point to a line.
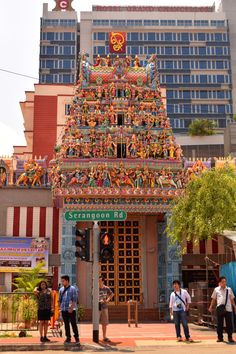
x: 176, y: 281
x: 103, y: 279
x: 221, y: 278
x: 66, y: 277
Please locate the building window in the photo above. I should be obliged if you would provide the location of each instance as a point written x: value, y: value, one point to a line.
x: 218, y: 23
x: 170, y: 94
x: 185, y: 50
x: 151, y: 50
x: 67, y: 36
x: 169, y: 79
x: 66, y: 79
x: 134, y: 50
x: 186, y: 95
x: 219, y: 51
x: 170, y: 108
x: 101, y: 36
x: 220, y: 79
x: 168, y: 36
x: 134, y: 36
x: 203, y: 94
x: 201, y: 37
x: 202, y: 50
x: 67, y: 50
x: 221, y: 109
x: 186, y: 79
x: 49, y: 79
x: 49, y: 64
x: 185, y: 37
x: 101, y: 50
x: 168, y: 50
x: 66, y: 64
x: 186, y: 64
x: 169, y: 64
x: 50, y: 36
x: 203, y: 79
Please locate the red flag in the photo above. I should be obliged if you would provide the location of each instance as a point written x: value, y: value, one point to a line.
x: 117, y: 42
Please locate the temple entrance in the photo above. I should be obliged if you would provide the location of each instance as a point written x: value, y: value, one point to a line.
x: 124, y: 276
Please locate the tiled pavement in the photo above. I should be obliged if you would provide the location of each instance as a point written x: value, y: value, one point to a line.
x: 149, y: 335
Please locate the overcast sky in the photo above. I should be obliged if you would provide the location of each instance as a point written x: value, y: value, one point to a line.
x: 19, y: 46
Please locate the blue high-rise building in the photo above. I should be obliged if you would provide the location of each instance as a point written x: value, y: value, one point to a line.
x: 193, y: 47
x: 59, y: 42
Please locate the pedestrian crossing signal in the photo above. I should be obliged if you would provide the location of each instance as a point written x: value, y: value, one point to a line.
x: 106, y: 247
x: 82, y: 244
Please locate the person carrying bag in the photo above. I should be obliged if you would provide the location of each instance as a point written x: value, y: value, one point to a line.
x: 223, y: 297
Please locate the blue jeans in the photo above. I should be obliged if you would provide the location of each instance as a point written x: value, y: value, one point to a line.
x: 181, y: 317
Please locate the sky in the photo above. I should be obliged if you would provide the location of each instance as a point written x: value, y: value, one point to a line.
x: 19, y: 47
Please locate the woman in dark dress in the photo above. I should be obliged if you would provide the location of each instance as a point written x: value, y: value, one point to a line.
x: 45, y: 309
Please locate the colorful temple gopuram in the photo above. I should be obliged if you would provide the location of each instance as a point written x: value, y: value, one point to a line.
x: 117, y: 150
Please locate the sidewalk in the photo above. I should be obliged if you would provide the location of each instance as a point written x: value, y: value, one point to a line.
x: 145, y: 335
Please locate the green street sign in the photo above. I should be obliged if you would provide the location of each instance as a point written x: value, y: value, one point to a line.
x: 95, y: 215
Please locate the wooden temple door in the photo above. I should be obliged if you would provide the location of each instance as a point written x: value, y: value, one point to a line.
x: 124, y: 275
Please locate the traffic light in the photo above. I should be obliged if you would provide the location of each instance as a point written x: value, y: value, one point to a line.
x: 106, y: 247
x: 82, y: 244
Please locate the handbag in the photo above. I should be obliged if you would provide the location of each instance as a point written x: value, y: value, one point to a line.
x: 100, y: 306
x: 221, y: 309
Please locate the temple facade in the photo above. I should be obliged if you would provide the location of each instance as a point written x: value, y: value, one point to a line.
x: 109, y: 147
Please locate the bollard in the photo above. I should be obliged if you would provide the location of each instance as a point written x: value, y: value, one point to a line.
x: 132, y: 305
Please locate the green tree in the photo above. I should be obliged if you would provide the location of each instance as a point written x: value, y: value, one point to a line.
x: 29, y: 279
x: 207, y: 207
x: 201, y: 127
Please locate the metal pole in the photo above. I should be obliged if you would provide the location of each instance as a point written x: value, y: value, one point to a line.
x: 96, y: 231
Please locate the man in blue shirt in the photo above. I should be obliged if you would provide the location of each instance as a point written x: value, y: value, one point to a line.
x: 68, y: 303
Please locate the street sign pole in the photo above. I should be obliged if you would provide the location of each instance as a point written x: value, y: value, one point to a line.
x: 96, y: 231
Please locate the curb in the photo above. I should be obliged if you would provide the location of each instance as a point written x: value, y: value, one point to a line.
x: 44, y: 347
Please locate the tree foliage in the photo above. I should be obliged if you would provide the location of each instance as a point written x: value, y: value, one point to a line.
x: 201, y: 127
x: 207, y: 208
x: 29, y: 279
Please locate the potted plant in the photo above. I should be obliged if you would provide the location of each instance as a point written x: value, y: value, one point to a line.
x: 28, y: 308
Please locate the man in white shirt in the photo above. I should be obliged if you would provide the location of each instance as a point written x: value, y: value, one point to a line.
x: 179, y: 305
x: 223, y: 297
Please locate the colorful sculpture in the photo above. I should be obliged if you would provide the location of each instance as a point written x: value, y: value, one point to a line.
x: 32, y: 175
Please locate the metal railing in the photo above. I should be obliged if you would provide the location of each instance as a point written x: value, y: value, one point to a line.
x: 18, y: 311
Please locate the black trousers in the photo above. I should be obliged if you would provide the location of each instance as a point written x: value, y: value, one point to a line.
x: 228, y: 316
x: 70, y: 318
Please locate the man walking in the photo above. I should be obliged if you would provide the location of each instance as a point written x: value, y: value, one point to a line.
x: 223, y: 297
x: 68, y: 303
x: 105, y: 295
x: 179, y: 305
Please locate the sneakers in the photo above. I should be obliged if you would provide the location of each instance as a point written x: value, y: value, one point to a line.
x: 190, y: 340
x: 67, y: 341
x: 179, y: 339
x: 42, y: 339
x: 77, y: 341
x: 220, y: 340
x: 106, y: 340
x: 230, y: 340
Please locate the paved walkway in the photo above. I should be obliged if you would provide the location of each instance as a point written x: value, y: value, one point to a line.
x: 145, y: 335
